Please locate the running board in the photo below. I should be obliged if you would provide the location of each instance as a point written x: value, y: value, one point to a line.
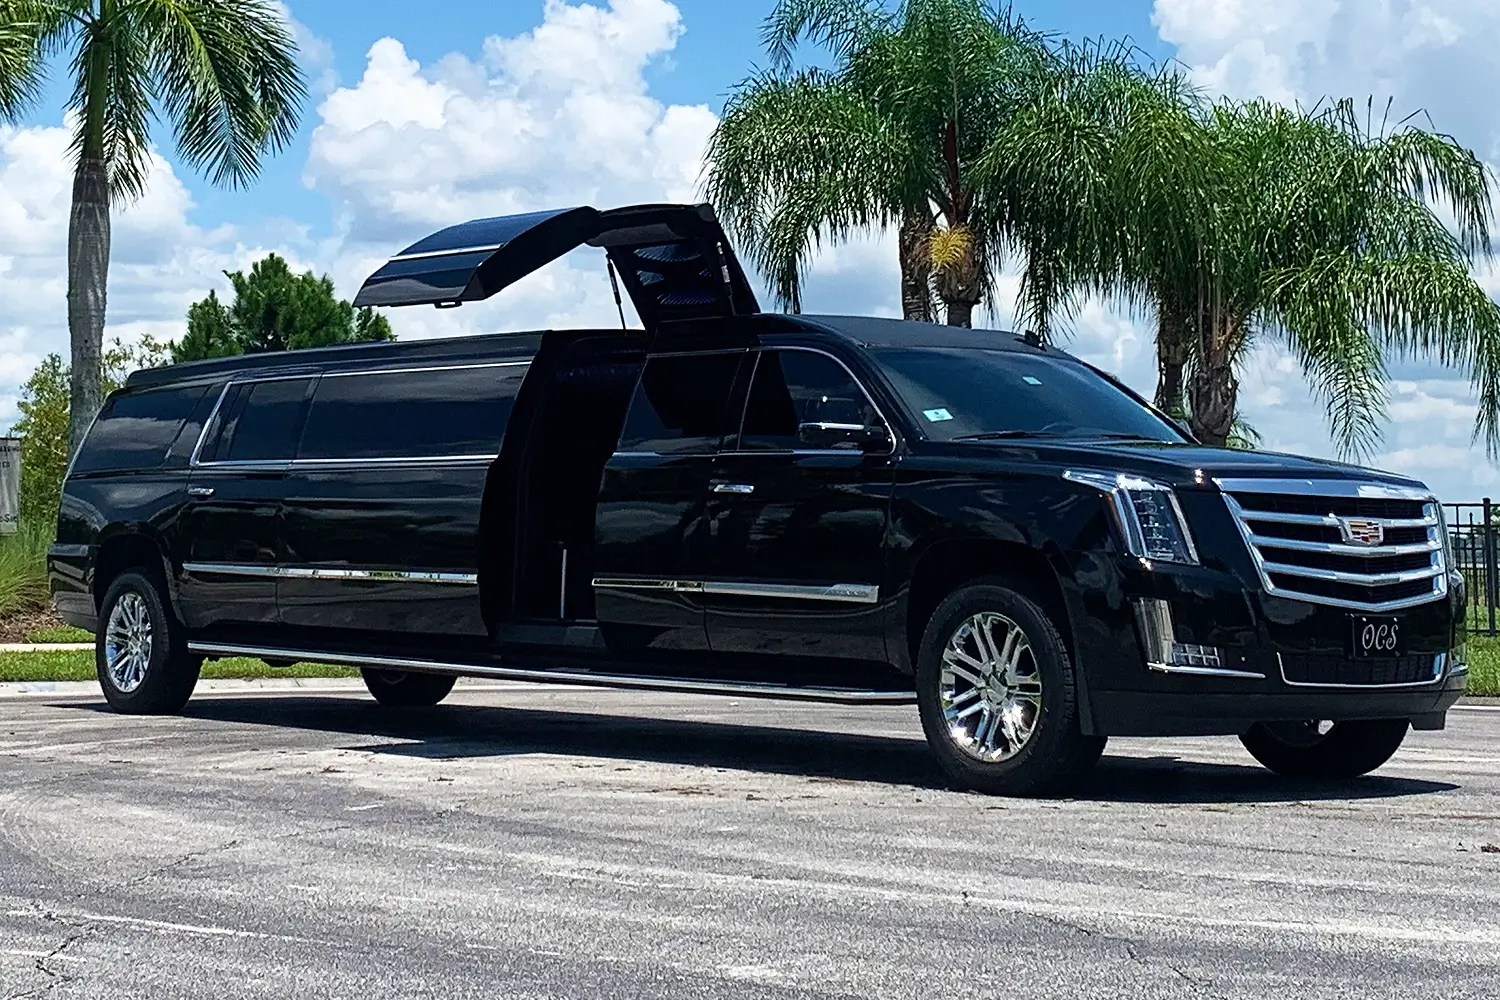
x: 746, y: 689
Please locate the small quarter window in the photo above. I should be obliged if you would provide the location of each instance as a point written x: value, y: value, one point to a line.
x: 681, y: 404
x: 792, y: 388
x: 439, y: 413
x: 258, y: 422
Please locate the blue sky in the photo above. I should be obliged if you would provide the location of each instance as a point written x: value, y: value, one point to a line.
x: 426, y: 114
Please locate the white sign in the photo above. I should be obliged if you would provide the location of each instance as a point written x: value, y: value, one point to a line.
x: 10, y: 484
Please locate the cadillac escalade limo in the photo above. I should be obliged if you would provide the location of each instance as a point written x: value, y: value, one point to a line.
x: 827, y: 508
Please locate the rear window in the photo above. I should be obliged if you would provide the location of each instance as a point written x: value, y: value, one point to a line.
x: 135, y: 429
x: 439, y: 413
x: 681, y: 405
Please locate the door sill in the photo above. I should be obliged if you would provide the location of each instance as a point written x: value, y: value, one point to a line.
x: 554, y: 675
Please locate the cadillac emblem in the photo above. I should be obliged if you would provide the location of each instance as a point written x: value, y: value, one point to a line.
x: 1359, y: 531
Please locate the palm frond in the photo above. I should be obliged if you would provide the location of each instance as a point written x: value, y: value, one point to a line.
x: 227, y: 77
x: 841, y: 26
x: 20, y: 63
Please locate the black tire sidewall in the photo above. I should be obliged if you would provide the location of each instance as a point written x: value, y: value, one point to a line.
x: 1044, y: 763
x: 1350, y: 749
x: 171, y: 673
x: 407, y: 689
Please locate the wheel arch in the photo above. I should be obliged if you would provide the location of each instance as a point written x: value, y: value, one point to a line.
x: 129, y: 547
x: 946, y: 565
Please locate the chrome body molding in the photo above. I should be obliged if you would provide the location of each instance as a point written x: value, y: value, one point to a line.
x: 1440, y: 663
x: 1325, y: 488
x: 322, y: 573
x: 752, y: 689
x: 1173, y: 668
x: 458, y: 252
x: 851, y: 593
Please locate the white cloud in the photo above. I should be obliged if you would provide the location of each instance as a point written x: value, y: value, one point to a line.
x: 160, y: 261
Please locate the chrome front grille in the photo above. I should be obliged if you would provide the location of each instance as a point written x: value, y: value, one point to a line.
x: 1365, y: 546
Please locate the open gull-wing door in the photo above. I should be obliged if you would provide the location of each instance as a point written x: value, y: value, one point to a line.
x: 674, y: 260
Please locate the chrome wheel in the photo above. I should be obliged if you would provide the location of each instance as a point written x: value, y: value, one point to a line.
x: 990, y: 687
x: 127, y: 642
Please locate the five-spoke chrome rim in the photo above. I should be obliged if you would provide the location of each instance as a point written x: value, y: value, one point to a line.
x: 990, y: 688
x: 127, y: 642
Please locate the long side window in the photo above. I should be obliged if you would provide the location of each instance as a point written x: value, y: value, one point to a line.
x: 682, y: 404
x: 792, y: 388
x: 258, y: 422
x: 434, y: 413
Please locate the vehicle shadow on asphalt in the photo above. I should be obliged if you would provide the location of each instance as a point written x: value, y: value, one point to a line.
x: 473, y: 732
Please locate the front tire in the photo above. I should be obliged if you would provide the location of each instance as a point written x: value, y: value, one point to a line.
x: 1306, y: 750
x: 406, y: 689
x: 140, y: 653
x: 998, y: 696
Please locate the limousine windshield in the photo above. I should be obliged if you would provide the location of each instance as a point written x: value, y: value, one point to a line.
x: 958, y: 394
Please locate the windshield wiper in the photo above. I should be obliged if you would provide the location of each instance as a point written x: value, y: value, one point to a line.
x: 1002, y: 435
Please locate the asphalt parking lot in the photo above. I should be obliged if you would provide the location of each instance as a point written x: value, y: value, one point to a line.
x: 549, y: 842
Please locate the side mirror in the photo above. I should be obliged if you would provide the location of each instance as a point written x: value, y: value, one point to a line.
x: 861, y: 437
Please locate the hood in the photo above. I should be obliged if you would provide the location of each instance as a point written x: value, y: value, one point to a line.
x: 1184, y: 464
x: 674, y: 260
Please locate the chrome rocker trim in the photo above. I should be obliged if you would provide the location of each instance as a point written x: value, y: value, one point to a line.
x: 848, y: 593
x: 749, y: 689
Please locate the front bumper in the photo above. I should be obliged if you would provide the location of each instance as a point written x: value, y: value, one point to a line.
x: 1257, y: 636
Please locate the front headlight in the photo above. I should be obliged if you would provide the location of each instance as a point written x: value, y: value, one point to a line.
x: 1147, y: 514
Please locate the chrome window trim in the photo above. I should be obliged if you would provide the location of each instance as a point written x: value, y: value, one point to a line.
x: 739, y: 436
x: 195, y: 462
x: 1442, y: 675
x: 843, y: 593
x: 397, y: 462
x: 754, y: 689
x: 282, y: 572
x: 458, y: 252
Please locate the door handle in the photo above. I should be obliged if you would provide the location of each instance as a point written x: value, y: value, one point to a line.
x: 744, y: 489
x: 200, y: 491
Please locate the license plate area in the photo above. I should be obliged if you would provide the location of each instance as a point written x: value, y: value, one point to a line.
x: 1376, y: 636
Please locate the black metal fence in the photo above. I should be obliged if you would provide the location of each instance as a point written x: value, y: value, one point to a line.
x: 1475, y: 539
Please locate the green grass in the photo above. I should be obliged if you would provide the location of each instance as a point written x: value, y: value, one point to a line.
x: 78, y: 665
x: 58, y: 633
x: 1484, y: 665
x: 23, y: 569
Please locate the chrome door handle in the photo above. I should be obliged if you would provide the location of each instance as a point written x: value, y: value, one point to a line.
x: 200, y: 491
x: 744, y: 489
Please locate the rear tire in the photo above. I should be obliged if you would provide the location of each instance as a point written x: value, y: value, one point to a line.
x: 140, y: 652
x: 998, y: 696
x: 1347, y: 750
x: 406, y: 689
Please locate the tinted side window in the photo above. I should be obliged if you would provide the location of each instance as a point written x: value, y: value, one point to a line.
x: 799, y: 387
x: 425, y: 414
x: 258, y: 422
x: 135, y: 429
x: 681, y: 405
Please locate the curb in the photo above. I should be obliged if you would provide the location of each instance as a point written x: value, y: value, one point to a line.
x: 238, y: 686
x: 43, y: 647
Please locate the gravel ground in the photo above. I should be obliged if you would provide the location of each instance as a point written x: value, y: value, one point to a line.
x: 536, y: 842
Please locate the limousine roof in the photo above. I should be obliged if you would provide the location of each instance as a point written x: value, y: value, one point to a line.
x: 859, y: 331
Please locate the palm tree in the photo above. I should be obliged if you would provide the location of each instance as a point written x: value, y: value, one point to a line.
x: 1325, y: 235
x: 887, y: 137
x: 222, y: 72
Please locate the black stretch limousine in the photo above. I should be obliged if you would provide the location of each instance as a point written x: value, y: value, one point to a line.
x: 826, y: 508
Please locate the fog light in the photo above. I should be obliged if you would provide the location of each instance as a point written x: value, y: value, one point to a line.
x: 1163, y: 652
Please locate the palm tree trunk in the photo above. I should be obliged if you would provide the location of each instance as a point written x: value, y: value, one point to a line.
x: 1171, y: 358
x: 916, y: 265
x: 88, y: 282
x: 1213, y: 389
